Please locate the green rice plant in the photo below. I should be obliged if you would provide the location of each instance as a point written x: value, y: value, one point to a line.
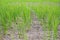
x: 27, y: 18
x: 55, y: 24
x: 8, y: 14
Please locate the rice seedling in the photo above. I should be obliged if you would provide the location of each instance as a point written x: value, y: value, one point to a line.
x: 8, y: 14
x: 25, y: 25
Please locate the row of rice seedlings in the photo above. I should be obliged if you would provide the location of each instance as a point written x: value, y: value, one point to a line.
x: 26, y: 21
x: 8, y: 14
x: 52, y: 11
x: 44, y: 14
x: 6, y: 1
x: 38, y: 0
x: 3, y: 18
x: 49, y: 23
x: 55, y: 22
x: 27, y: 18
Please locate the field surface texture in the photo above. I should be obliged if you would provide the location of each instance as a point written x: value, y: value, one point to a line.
x: 30, y: 20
